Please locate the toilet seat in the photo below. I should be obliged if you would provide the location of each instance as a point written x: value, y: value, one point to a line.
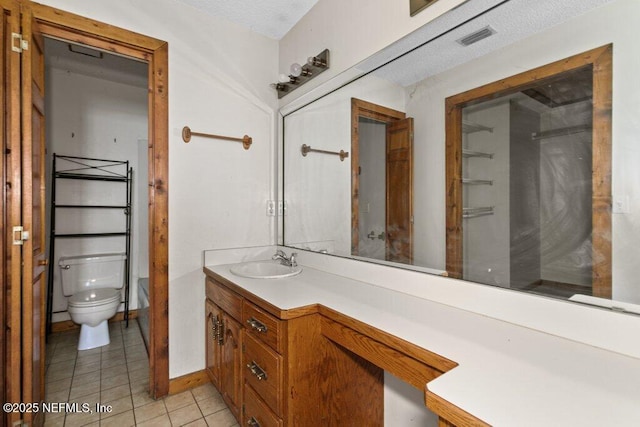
x: 94, y: 297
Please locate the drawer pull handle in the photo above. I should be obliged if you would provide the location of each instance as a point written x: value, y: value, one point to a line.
x: 214, y: 327
x: 252, y: 422
x: 256, y: 370
x: 220, y: 330
x: 257, y: 325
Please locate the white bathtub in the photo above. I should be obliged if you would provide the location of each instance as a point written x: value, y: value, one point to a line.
x: 143, y: 308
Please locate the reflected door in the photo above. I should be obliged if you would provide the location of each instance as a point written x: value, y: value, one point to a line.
x: 399, y: 191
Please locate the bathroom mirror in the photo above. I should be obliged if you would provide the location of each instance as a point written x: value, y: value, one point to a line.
x: 499, y: 147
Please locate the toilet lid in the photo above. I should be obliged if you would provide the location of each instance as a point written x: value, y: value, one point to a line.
x: 94, y: 297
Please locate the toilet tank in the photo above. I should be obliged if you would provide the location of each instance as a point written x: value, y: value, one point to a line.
x: 82, y: 272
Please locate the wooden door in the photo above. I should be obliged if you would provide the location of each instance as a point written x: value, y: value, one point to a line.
x: 231, y: 360
x: 399, y: 183
x: 33, y: 214
x: 213, y: 317
x: 10, y: 264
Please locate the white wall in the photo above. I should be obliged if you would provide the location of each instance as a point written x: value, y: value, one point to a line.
x: 352, y: 31
x: 219, y: 77
x: 97, y: 118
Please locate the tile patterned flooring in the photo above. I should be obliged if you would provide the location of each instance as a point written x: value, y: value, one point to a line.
x: 117, y: 375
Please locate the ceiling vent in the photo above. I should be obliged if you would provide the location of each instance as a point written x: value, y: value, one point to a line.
x: 476, y: 36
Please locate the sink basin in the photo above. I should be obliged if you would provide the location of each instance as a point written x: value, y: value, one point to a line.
x: 264, y: 270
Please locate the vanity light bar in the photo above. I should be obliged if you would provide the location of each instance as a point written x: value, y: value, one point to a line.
x: 300, y: 74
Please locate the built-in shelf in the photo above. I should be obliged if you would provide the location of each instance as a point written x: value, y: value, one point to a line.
x: 477, y: 181
x: 552, y: 133
x: 477, y: 212
x: 469, y: 153
x: 470, y: 127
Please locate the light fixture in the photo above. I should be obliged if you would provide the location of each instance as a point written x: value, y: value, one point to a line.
x: 300, y: 74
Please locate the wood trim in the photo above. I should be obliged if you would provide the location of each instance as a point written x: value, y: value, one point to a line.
x: 49, y: 16
x: 600, y: 59
x: 453, y: 179
x: 69, y: 325
x: 450, y: 414
x: 602, y: 169
x: 57, y: 23
x: 360, y: 108
x: 159, y: 221
x: 188, y: 381
x: 388, y: 358
x: 411, y: 350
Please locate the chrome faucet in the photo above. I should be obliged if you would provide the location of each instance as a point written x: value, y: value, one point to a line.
x: 284, y: 260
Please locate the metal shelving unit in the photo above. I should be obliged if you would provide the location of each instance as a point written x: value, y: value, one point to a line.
x: 89, y: 169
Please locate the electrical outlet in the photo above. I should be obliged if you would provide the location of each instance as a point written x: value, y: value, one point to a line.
x: 282, y: 207
x: 271, y: 208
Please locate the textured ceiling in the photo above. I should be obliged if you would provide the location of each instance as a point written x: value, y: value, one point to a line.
x: 272, y: 18
x: 108, y: 67
x: 513, y: 20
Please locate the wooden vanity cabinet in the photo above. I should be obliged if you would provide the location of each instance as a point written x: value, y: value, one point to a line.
x: 224, y: 344
x: 309, y: 365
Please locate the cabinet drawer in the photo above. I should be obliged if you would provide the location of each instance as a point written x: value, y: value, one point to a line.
x: 262, y: 369
x: 263, y: 326
x: 256, y: 412
x: 224, y: 298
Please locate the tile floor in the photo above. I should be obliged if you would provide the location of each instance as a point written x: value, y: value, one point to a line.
x: 117, y: 375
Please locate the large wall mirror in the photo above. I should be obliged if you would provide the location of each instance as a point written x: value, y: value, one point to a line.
x: 501, y: 147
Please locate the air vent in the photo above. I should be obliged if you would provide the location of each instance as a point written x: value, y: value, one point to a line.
x: 475, y: 37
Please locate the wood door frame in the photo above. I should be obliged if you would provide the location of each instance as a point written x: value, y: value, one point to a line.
x: 360, y: 108
x: 34, y: 248
x: 66, y: 26
x: 600, y: 60
x: 12, y: 210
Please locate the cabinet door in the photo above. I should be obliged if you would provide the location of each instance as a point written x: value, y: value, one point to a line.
x: 213, y: 319
x: 231, y: 364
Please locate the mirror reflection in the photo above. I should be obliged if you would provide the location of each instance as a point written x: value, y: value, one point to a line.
x: 502, y: 152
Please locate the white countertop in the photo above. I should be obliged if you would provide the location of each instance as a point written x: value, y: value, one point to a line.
x: 508, y: 375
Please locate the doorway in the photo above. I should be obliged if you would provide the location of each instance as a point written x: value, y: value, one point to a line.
x: 381, y: 183
x: 97, y: 121
x: 23, y: 305
x: 529, y: 179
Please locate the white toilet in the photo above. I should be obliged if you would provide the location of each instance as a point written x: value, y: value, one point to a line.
x: 92, y: 285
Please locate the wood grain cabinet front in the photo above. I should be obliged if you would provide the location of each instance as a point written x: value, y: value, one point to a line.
x: 224, y: 335
x: 256, y: 413
x: 263, y: 326
x: 263, y: 372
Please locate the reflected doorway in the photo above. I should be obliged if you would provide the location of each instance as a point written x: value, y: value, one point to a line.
x: 529, y: 179
x: 381, y: 183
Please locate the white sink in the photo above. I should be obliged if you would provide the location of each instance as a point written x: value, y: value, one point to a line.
x: 264, y: 270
